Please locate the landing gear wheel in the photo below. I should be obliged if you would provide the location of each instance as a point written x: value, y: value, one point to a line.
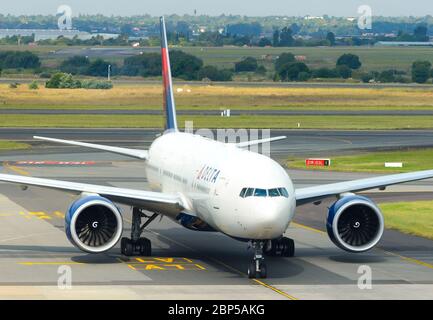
x: 145, y: 247
x: 263, y: 270
x: 283, y: 247
x: 252, y: 270
x: 123, y: 245
x: 127, y: 247
x: 137, y: 246
x: 289, y: 247
x: 257, y: 268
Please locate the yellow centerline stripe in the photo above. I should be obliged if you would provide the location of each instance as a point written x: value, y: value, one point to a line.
x: 419, y: 262
x: 15, y: 169
x: 49, y: 263
x: 307, y: 228
x: 288, y: 296
x: 223, y: 264
x: 415, y: 261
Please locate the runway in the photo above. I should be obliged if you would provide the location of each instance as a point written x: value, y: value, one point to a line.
x: 187, y: 264
x: 234, y: 112
x: 298, y: 143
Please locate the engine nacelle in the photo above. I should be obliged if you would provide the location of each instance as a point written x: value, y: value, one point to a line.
x: 355, y: 223
x: 93, y: 224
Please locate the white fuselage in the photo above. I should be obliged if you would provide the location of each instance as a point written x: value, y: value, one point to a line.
x: 210, y: 176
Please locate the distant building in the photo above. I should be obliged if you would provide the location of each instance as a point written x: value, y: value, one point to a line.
x: 267, y: 57
x: 300, y: 58
x: 313, y: 18
x: 403, y: 44
x: 46, y: 34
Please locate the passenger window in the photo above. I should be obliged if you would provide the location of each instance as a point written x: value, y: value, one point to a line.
x: 274, y: 193
x: 260, y: 193
x: 249, y: 192
x: 284, y: 192
x: 242, y: 195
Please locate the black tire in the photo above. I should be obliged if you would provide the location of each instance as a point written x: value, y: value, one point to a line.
x: 263, y: 271
x: 129, y: 248
x: 268, y: 250
x: 123, y: 245
x: 145, y: 247
x: 289, y: 247
x: 252, y: 270
x: 272, y: 251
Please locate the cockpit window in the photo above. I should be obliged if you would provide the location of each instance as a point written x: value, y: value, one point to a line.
x: 249, y: 192
x: 284, y: 192
x: 274, y: 192
x: 260, y: 193
x: 242, y: 194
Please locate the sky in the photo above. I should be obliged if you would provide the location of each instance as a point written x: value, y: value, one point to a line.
x: 217, y: 7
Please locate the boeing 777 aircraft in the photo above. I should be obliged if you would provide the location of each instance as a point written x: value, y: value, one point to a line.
x: 205, y: 185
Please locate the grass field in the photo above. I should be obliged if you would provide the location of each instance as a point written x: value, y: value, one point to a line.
x: 373, y: 58
x: 206, y: 97
x: 11, y: 145
x: 414, y: 218
x: 412, y: 159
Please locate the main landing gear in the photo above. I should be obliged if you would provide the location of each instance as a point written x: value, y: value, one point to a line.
x: 283, y: 247
x: 137, y: 245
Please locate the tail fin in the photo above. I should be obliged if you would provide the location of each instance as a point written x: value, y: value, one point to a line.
x: 169, y: 106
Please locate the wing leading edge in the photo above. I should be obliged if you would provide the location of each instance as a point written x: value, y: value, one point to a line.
x: 316, y: 193
x: 257, y: 142
x: 134, y: 153
x: 148, y: 200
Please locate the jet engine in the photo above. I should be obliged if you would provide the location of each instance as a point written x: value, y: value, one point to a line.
x: 93, y: 224
x: 355, y: 223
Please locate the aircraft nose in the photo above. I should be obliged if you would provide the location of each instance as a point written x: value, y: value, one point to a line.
x: 268, y: 219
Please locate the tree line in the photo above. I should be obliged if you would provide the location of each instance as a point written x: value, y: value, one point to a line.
x: 189, y: 67
x: 184, y: 66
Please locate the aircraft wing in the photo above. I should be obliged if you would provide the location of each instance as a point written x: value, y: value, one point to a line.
x: 316, y: 193
x: 153, y: 201
x: 256, y: 142
x: 134, y: 153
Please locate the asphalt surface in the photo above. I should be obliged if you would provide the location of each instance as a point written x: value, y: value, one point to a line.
x: 234, y: 112
x: 187, y: 264
x: 34, y: 250
x: 298, y: 143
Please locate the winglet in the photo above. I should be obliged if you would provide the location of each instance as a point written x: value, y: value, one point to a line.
x: 169, y: 105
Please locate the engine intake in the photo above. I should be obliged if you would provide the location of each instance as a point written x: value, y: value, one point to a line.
x: 355, y: 223
x: 93, y: 224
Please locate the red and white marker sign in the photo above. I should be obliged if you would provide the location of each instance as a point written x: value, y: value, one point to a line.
x: 318, y: 162
x: 55, y: 163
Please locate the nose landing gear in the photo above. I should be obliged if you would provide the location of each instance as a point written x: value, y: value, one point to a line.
x: 137, y: 245
x: 283, y: 247
x: 257, y: 268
